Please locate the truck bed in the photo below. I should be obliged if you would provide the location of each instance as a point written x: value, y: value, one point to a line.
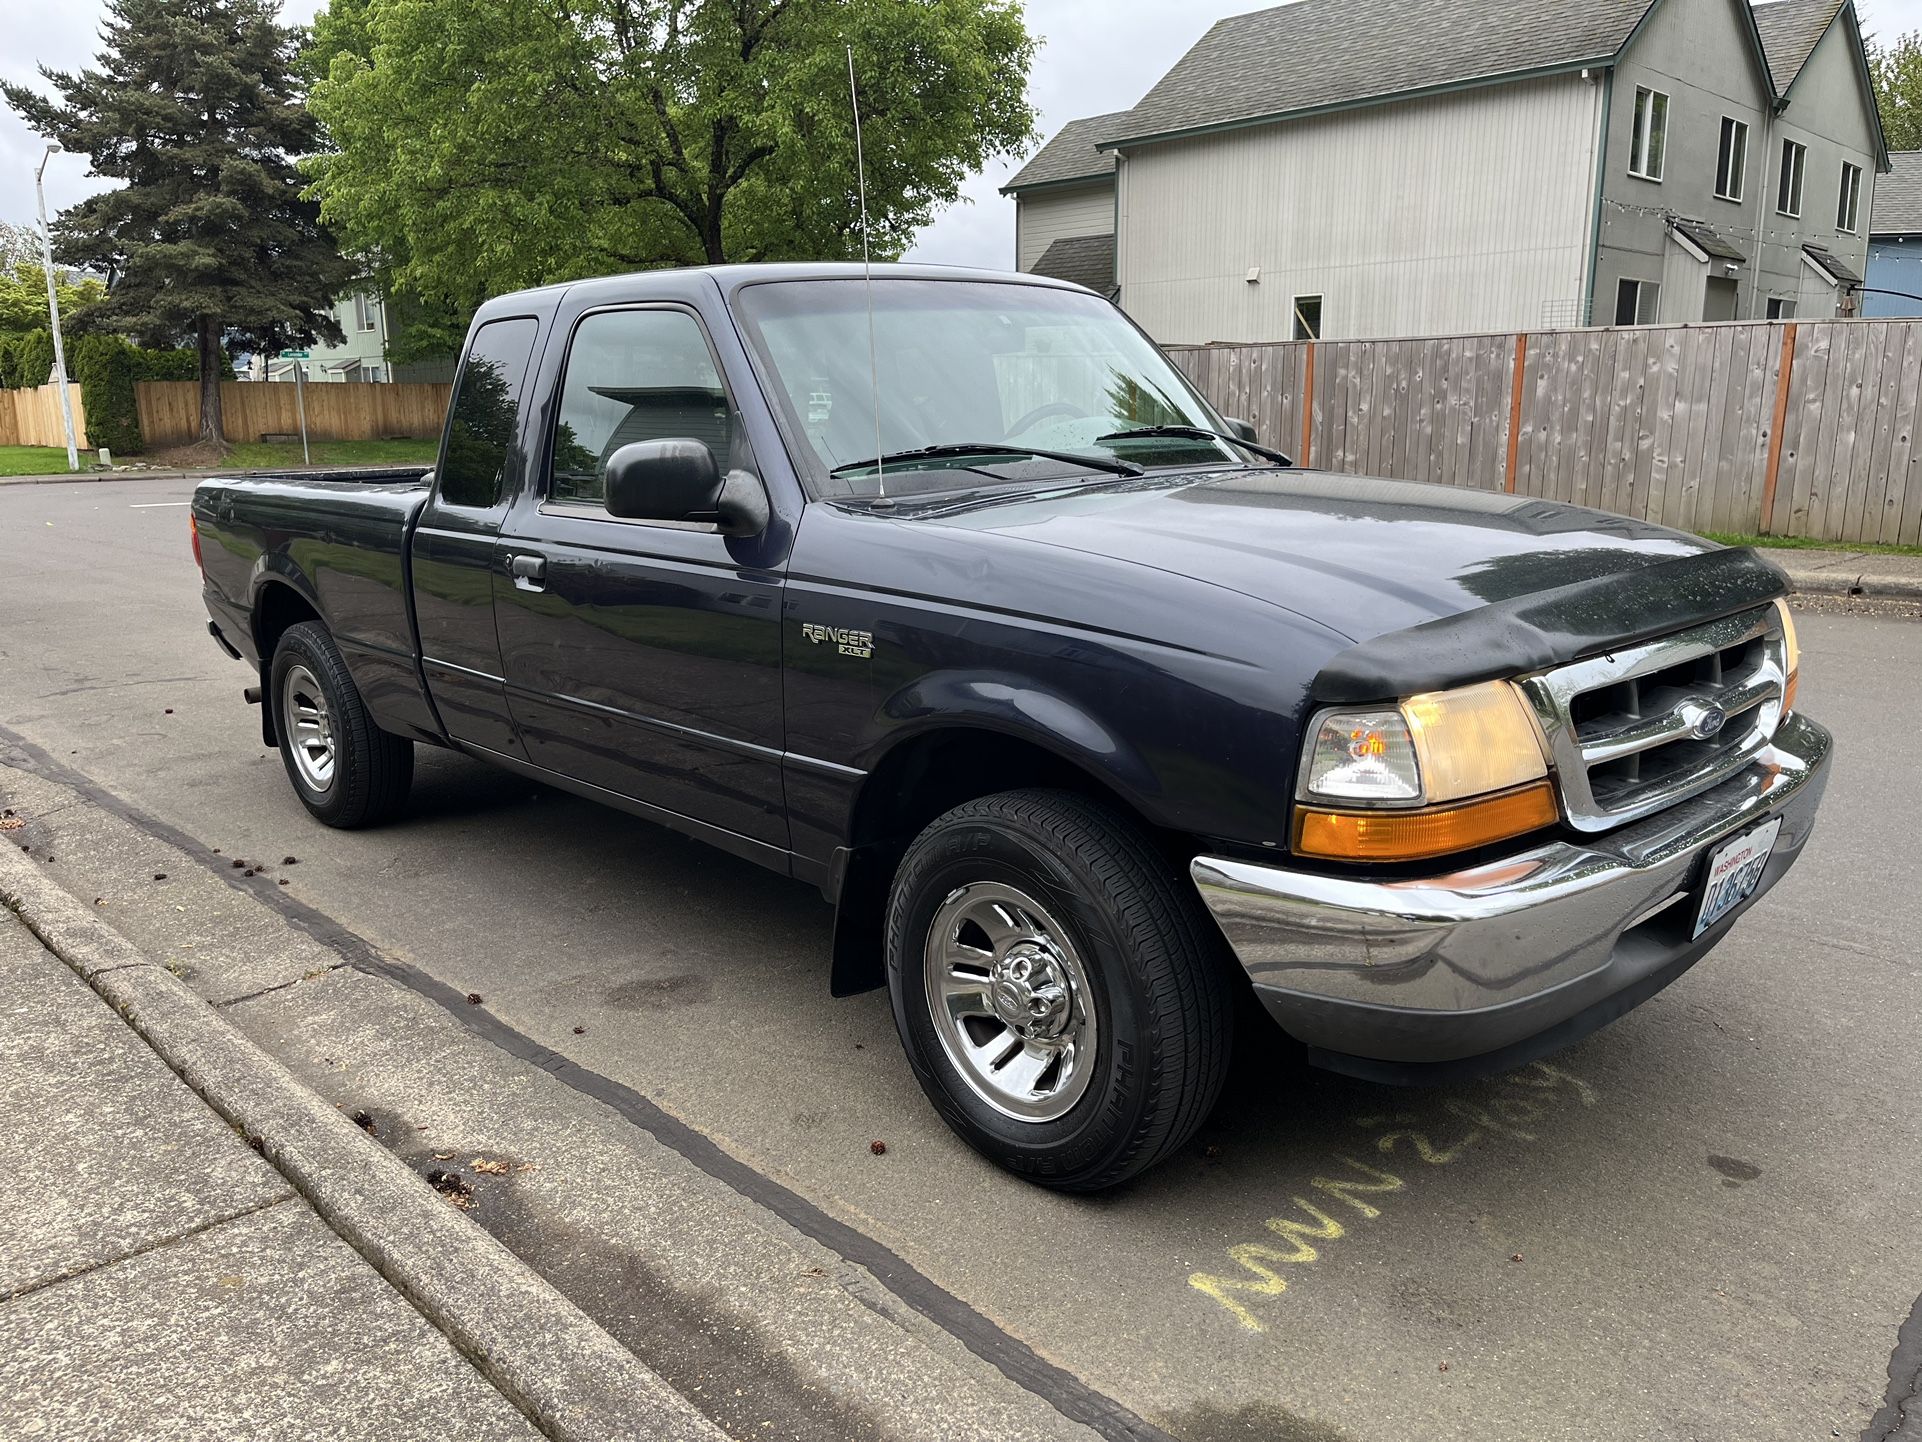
x: 276, y: 546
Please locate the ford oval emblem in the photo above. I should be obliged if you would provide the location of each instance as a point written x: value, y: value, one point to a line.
x: 1709, y: 719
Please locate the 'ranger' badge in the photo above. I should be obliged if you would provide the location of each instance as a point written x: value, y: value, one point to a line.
x: 849, y: 643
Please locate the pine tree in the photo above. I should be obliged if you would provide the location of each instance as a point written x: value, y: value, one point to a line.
x: 197, y: 107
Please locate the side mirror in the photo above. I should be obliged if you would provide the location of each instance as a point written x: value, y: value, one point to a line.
x: 1242, y: 429
x: 671, y: 480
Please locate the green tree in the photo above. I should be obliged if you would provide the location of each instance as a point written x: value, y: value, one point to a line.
x: 196, y: 108
x: 481, y: 145
x: 23, y: 283
x: 1897, y: 71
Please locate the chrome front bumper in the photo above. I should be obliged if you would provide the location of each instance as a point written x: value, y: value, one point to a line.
x: 1509, y: 958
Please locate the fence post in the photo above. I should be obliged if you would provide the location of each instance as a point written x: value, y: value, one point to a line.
x: 1784, y: 371
x: 1307, y: 403
x: 1515, y: 409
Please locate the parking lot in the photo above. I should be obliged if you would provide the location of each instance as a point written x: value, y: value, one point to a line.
x: 1700, y: 1223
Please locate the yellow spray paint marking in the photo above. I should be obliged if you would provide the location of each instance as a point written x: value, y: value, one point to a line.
x: 1254, y: 1256
x: 1500, y: 1116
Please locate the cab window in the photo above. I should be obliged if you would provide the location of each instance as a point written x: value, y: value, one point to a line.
x: 480, y: 427
x: 635, y: 375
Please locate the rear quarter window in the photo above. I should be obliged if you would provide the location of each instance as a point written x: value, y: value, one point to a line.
x: 480, y: 428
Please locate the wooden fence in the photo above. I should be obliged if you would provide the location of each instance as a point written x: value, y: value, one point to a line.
x: 1795, y: 428
x: 336, y: 411
x: 32, y: 418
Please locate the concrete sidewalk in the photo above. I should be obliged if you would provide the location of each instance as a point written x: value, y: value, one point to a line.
x: 199, y: 1246
x: 160, y: 1279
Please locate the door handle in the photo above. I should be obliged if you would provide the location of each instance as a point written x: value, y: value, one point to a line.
x: 530, y: 572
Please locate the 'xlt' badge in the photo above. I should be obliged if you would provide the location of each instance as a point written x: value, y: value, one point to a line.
x: 849, y: 643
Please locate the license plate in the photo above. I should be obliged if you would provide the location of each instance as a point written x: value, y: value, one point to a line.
x: 1734, y: 871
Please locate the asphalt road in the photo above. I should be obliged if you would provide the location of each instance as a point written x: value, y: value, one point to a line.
x: 1700, y: 1223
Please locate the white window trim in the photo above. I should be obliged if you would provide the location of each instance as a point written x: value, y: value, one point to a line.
x: 1801, y: 177
x: 1853, y: 199
x: 1741, y: 161
x: 1639, y: 140
x: 1295, y: 316
x: 1644, y: 289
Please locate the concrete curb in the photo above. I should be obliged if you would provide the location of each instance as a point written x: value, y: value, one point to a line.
x: 68, y: 478
x: 1871, y: 576
x: 567, y: 1375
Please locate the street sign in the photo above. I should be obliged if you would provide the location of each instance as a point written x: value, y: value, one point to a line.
x: 295, y: 355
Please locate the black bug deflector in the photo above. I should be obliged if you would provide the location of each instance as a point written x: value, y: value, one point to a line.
x: 1533, y: 632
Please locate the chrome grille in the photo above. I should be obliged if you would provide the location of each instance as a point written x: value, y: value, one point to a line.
x: 1636, y: 730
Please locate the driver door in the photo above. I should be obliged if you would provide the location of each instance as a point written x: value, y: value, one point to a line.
x: 643, y: 657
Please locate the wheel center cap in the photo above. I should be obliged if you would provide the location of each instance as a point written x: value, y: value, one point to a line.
x: 1026, y: 991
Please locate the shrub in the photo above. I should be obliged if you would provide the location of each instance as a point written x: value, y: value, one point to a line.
x: 26, y: 359
x: 176, y: 365
x: 106, y: 367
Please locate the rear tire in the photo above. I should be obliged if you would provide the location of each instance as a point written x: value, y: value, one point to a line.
x: 1063, y: 999
x: 345, y: 769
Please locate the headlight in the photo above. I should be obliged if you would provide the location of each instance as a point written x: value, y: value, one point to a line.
x: 1437, y: 773
x: 1791, y: 655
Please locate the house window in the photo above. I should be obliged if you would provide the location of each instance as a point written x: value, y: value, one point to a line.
x: 1307, y: 317
x: 1649, y: 145
x: 363, y: 312
x: 1781, y: 307
x: 1849, y: 202
x: 1636, y: 302
x: 1731, y: 167
x: 1788, y: 186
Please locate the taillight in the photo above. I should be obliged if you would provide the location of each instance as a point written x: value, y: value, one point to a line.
x: 193, y: 529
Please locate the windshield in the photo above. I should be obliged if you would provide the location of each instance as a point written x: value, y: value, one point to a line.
x: 962, y: 363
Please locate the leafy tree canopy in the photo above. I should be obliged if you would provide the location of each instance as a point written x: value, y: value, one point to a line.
x: 23, y: 296
x: 196, y: 108
x: 478, y: 146
x: 23, y: 283
x: 1898, y: 89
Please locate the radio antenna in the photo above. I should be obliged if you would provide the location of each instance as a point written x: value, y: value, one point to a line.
x: 867, y: 277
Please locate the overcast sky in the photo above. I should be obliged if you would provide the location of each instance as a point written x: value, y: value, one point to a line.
x: 1095, y: 56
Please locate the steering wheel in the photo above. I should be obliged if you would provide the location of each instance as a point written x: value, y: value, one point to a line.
x: 1041, y: 413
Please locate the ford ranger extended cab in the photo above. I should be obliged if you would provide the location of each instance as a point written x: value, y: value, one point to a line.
x: 945, y: 592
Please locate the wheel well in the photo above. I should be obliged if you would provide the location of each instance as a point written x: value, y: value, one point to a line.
x: 916, y: 782
x: 277, y: 608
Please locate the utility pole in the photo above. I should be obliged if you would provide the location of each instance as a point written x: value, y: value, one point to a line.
x: 53, y: 313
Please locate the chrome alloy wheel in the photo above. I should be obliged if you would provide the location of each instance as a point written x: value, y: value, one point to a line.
x: 310, y: 729
x: 1010, y: 1001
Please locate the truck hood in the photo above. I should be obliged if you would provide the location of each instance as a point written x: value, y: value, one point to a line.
x: 1358, y: 555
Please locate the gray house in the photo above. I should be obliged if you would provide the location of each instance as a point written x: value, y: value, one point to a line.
x: 1424, y: 167
x: 1895, y: 240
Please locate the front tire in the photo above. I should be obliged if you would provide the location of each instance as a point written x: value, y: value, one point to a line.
x: 1062, y: 998
x: 345, y: 769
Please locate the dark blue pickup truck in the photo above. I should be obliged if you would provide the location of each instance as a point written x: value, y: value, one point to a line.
x: 1094, y: 718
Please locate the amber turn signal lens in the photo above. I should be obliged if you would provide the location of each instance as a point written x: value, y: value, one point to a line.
x: 1431, y: 831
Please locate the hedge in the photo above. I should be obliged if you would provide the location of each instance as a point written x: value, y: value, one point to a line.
x: 26, y: 359
x: 108, y: 367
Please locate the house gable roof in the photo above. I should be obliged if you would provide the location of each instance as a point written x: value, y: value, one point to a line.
x: 1317, y: 55
x: 1898, y: 196
x: 1084, y: 259
x: 1790, y: 30
x: 1071, y: 156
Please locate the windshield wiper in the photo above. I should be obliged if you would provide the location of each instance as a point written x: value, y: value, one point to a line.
x: 1113, y: 465
x: 1196, y: 433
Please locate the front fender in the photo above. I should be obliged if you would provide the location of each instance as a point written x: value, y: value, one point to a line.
x: 1020, y: 707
